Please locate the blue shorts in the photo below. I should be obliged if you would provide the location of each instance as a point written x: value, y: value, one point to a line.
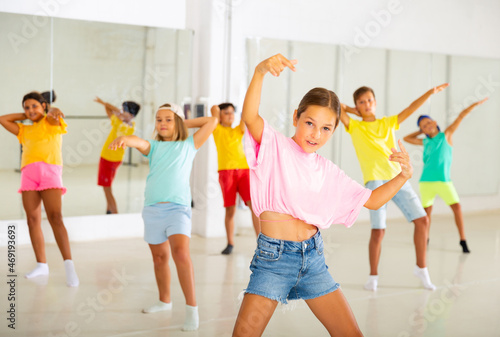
x: 164, y: 219
x: 290, y: 270
x: 406, y: 199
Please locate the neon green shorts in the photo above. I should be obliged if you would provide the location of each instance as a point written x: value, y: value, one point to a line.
x: 445, y: 190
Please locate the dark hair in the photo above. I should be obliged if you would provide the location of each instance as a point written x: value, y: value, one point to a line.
x: 131, y: 107
x: 49, y: 96
x: 361, y: 91
x: 321, y: 97
x: 423, y: 117
x: 37, y: 97
x: 224, y: 106
x: 180, y: 131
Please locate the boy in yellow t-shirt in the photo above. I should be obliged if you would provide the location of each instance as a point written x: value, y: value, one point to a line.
x: 374, y: 141
x: 233, y: 168
x: 122, y: 124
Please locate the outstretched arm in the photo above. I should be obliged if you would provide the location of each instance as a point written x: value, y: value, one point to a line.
x: 381, y: 195
x: 110, y: 109
x: 250, y: 115
x: 131, y: 141
x: 453, y: 126
x: 412, y: 138
x: 207, y: 125
x: 53, y: 116
x: 403, y: 115
x: 9, y: 122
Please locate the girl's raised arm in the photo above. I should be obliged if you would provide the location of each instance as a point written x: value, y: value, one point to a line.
x: 453, y: 126
x: 207, y: 125
x: 250, y: 115
x: 131, y: 141
x: 9, y: 122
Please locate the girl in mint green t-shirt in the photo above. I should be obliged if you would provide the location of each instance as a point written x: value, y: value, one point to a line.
x: 438, y: 155
x: 167, y: 207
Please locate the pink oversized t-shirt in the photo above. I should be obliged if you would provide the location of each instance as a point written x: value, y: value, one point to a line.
x: 286, y: 179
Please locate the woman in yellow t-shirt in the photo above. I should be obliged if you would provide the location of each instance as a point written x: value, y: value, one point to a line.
x: 41, y: 177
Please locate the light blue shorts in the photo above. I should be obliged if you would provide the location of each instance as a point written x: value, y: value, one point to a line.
x: 406, y: 199
x: 290, y: 270
x: 164, y: 219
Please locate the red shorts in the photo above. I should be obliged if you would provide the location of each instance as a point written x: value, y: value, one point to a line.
x: 107, y: 171
x: 232, y: 181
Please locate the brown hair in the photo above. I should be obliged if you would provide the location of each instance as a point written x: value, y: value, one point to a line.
x: 361, y: 91
x: 321, y: 97
x: 224, y: 106
x: 37, y: 97
x: 180, y: 130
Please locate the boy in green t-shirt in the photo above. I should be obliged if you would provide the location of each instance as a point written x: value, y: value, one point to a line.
x: 374, y: 140
x: 435, y: 179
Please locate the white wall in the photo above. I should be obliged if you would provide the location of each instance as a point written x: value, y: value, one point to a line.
x: 156, y: 13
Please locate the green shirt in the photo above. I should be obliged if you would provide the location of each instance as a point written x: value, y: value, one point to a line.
x: 438, y: 155
x: 170, y: 165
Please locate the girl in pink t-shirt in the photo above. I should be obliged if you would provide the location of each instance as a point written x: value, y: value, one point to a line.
x: 295, y: 192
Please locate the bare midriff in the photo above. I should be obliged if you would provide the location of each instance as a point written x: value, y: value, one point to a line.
x: 285, y: 227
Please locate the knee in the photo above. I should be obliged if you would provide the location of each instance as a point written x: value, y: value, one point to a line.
x: 181, y: 255
x: 160, y: 258
x: 230, y: 211
x: 55, y: 218
x: 34, y: 220
x: 378, y: 234
x: 423, y: 222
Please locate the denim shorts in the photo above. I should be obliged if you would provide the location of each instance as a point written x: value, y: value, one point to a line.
x: 406, y: 199
x: 290, y: 270
x: 164, y: 219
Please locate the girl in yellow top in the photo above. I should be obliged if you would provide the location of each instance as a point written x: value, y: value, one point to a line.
x: 41, y: 177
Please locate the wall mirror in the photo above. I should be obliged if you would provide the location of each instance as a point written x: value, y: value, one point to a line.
x: 81, y: 60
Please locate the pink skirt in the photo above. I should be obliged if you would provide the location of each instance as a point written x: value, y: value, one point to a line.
x: 41, y: 176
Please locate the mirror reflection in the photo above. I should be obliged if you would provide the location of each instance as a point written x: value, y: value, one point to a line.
x: 117, y: 63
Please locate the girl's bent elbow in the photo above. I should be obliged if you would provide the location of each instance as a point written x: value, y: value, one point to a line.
x: 371, y: 205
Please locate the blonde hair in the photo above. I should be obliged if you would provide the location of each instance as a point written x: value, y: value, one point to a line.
x: 180, y: 130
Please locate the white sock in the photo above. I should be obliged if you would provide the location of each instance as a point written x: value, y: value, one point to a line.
x: 71, y: 277
x: 160, y: 306
x: 372, y: 283
x: 423, y: 275
x: 192, y: 321
x: 41, y: 269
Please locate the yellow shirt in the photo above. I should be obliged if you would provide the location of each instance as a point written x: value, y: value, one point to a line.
x: 118, y: 128
x: 229, y: 145
x: 41, y: 142
x: 373, y: 142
